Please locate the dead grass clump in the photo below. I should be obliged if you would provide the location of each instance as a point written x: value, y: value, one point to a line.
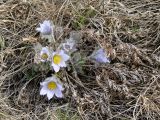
x: 127, y: 88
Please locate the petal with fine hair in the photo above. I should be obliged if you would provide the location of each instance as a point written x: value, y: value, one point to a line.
x: 65, y: 57
x: 62, y: 64
x: 58, y: 93
x: 55, y: 67
x: 50, y: 94
x: 43, y: 91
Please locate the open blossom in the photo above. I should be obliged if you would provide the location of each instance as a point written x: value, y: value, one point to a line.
x: 51, y: 86
x: 44, y: 54
x: 100, y: 56
x: 69, y: 46
x: 58, y: 60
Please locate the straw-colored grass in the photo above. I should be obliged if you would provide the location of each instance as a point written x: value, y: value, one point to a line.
x: 126, y: 89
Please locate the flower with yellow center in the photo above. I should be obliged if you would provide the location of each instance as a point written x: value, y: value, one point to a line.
x: 51, y: 86
x: 58, y: 60
x: 44, y: 54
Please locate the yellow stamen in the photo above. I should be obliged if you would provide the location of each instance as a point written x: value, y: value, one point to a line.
x: 57, y: 59
x: 52, y: 85
x: 44, y: 56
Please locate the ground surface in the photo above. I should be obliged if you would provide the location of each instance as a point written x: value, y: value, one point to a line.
x: 126, y: 89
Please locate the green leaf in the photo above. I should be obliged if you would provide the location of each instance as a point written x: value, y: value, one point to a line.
x: 79, y: 22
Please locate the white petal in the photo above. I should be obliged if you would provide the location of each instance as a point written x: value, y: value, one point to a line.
x: 41, y: 26
x: 53, y: 53
x: 44, y: 83
x: 106, y: 60
x: 47, y: 22
x: 38, y: 29
x: 62, y: 64
x: 43, y: 60
x: 53, y: 78
x: 45, y: 28
x: 50, y: 94
x: 60, y: 87
x: 61, y: 52
x: 43, y: 91
x: 58, y: 93
x: 65, y: 56
x: 48, y: 79
x: 45, y: 50
x: 102, y: 58
x: 100, y: 51
x: 55, y: 67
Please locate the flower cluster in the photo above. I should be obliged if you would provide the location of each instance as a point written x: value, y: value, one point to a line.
x: 59, y: 58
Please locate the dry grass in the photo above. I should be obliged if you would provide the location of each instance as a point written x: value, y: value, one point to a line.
x: 128, y: 88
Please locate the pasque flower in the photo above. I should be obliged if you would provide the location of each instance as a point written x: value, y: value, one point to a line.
x: 58, y: 60
x: 100, y: 56
x: 51, y: 86
x: 44, y: 54
x: 46, y: 29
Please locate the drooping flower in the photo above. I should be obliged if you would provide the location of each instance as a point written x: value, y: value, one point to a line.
x: 51, y: 86
x: 46, y: 30
x: 69, y: 45
x: 58, y: 60
x: 100, y: 56
x: 44, y: 54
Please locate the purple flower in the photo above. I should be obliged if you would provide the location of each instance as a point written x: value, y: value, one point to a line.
x: 100, y: 56
x: 45, y: 28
